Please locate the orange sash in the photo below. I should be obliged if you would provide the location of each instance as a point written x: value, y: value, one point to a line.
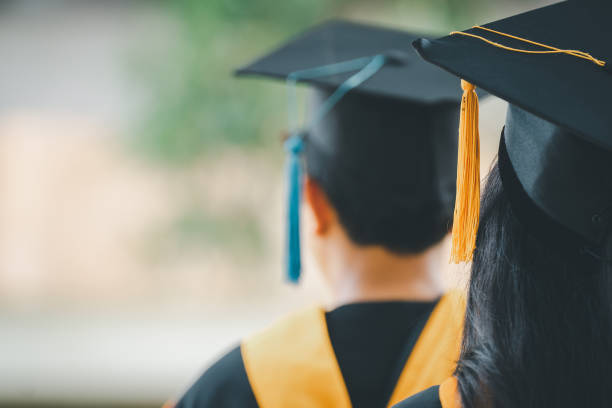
x: 292, y: 364
x: 449, y: 395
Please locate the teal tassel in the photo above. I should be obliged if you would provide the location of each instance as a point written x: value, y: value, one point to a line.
x: 294, y: 146
x: 366, y: 67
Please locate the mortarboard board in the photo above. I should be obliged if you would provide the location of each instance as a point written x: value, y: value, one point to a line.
x: 553, y: 66
x: 338, y: 41
x: 381, y: 116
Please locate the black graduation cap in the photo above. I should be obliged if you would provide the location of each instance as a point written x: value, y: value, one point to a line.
x: 380, y: 115
x: 553, y: 66
x: 405, y: 75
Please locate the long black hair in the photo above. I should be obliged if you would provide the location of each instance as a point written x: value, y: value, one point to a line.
x: 538, y: 327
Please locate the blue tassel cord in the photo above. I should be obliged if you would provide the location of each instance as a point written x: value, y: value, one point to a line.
x: 293, y: 146
x: 367, y: 67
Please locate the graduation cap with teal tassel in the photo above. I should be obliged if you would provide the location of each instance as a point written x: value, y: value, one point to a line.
x: 376, y: 103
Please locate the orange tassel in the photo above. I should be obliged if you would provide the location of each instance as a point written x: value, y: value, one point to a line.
x: 467, y: 201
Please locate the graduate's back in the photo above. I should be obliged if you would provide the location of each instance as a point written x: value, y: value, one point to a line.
x: 538, y: 327
x: 375, y: 164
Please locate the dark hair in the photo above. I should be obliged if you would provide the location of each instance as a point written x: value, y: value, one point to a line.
x: 387, y: 166
x: 538, y: 326
x: 374, y: 216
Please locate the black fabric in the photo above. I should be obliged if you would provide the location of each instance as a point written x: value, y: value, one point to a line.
x: 392, y: 160
x: 338, y: 41
x: 224, y: 384
x: 557, y: 136
x: 406, y: 349
x: 570, y: 92
x: 414, y: 146
x: 372, y: 342
x: 534, y: 219
x: 386, y: 153
x: 565, y: 176
x: 429, y: 398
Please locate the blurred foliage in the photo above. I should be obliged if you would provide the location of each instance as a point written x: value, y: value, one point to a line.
x: 195, y: 229
x: 198, y: 107
x: 240, y: 229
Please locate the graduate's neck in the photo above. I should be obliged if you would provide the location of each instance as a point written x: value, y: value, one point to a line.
x: 372, y: 273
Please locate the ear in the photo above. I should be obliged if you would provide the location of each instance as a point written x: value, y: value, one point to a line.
x: 319, y: 204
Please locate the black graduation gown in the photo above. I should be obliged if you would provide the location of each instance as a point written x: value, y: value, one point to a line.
x: 371, y: 342
x: 429, y: 398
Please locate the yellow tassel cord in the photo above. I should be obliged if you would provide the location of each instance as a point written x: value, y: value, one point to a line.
x: 549, y: 49
x: 467, y: 202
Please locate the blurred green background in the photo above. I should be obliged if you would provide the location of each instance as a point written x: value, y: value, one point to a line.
x: 199, y: 108
x: 141, y: 185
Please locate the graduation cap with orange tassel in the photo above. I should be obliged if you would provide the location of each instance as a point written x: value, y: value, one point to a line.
x: 553, y: 66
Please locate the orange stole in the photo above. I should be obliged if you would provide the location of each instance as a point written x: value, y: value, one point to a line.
x: 449, y: 394
x: 293, y: 362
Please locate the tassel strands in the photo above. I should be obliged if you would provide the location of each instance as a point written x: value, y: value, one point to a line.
x: 366, y: 67
x: 467, y: 202
x: 293, y: 146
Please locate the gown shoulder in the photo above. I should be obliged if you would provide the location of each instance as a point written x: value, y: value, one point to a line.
x: 429, y: 398
x: 224, y: 384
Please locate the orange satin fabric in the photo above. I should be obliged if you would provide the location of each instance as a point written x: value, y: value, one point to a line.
x: 435, y: 354
x: 449, y: 394
x: 292, y: 364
